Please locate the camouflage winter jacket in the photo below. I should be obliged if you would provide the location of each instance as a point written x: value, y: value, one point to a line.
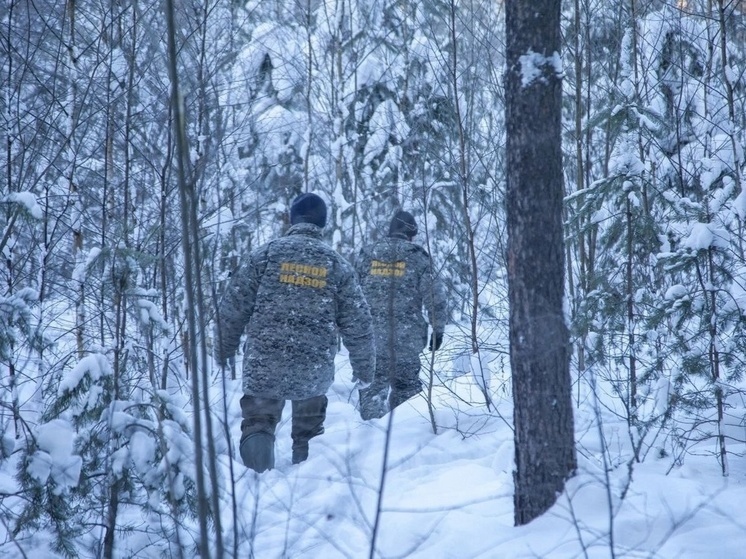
x: 398, y: 282
x: 293, y: 297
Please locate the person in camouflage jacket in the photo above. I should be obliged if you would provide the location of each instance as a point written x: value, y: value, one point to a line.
x: 398, y: 282
x: 292, y: 298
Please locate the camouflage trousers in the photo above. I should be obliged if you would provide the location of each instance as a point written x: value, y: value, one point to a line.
x: 403, y: 378
x: 261, y: 415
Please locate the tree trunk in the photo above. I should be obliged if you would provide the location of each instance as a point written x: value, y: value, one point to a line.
x: 187, y: 201
x: 539, y: 341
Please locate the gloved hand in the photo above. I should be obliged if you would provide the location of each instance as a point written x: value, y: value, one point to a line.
x: 361, y: 385
x: 224, y: 363
x: 436, y: 340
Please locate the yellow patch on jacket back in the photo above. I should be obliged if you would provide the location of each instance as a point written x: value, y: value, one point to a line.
x: 387, y: 269
x: 303, y: 275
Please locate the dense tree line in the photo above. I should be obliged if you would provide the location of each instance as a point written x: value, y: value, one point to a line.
x: 375, y: 105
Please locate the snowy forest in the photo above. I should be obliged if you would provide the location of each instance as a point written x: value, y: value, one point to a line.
x: 119, y: 432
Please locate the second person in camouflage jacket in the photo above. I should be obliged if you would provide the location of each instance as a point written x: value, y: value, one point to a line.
x: 398, y: 281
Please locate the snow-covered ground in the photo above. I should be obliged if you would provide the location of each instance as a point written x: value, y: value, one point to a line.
x: 450, y: 494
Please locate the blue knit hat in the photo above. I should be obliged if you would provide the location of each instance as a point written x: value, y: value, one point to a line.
x: 403, y: 224
x: 308, y: 208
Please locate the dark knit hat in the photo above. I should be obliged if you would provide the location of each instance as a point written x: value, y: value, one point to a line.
x: 308, y: 208
x: 403, y: 223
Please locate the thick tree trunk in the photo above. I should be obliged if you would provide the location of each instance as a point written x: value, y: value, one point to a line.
x: 539, y: 342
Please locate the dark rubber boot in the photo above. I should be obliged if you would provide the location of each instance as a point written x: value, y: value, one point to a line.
x: 300, y: 453
x: 258, y: 452
x: 373, y: 405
